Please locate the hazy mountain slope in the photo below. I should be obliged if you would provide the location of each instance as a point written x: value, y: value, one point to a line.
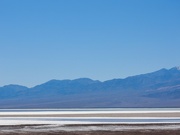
x: 156, y: 89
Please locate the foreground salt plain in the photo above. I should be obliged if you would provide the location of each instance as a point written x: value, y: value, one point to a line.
x: 89, y: 116
x: 110, y: 121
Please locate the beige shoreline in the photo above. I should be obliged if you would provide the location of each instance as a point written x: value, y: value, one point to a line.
x: 165, y: 114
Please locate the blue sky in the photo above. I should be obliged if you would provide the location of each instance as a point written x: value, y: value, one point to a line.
x: 42, y: 40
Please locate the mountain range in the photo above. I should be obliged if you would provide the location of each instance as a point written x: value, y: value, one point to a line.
x: 157, y: 89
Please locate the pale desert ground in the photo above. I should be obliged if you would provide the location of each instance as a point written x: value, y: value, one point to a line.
x: 90, y: 128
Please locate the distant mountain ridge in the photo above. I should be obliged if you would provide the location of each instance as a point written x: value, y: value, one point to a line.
x: 157, y: 89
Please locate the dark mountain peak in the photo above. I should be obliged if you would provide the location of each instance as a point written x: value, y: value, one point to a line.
x: 85, y: 81
x: 68, y: 82
x: 161, y: 71
x: 166, y: 72
x: 15, y: 86
x: 54, y: 81
x: 154, y: 74
x: 175, y: 68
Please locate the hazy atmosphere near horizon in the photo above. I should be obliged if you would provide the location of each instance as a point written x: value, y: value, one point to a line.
x: 42, y: 40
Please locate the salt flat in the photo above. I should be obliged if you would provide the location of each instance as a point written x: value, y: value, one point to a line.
x: 169, y: 113
x: 89, y: 116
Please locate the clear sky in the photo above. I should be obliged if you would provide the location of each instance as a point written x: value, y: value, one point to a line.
x: 42, y: 40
